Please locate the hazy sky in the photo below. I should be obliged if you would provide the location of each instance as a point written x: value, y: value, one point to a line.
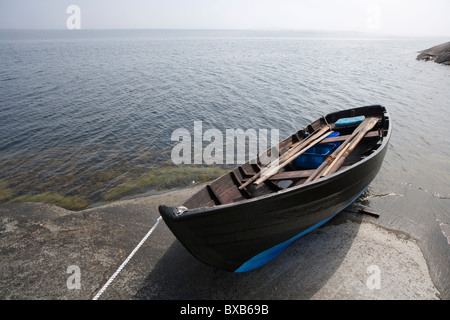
x: 399, y: 17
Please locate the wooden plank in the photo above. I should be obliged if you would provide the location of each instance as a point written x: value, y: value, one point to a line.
x: 371, y: 134
x: 369, y: 212
x: 238, y: 183
x: 286, y: 175
x: 226, y: 190
x: 200, y: 199
x: 292, y: 175
x: 213, y: 194
x: 247, y: 170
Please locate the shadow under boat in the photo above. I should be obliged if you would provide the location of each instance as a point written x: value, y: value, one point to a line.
x: 299, y: 272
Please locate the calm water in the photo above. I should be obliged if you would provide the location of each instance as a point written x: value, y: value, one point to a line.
x: 87, y: 116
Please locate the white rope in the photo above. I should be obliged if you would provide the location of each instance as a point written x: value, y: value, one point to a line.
x: 326, y: 122
x: 126, y: 260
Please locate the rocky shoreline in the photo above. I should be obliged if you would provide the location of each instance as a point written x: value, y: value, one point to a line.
x: 438, y: 54
x: 46, y: 251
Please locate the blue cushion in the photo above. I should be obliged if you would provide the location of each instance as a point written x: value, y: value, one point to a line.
x: 349, y: 121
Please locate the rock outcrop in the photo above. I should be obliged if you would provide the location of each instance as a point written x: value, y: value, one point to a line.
x: 438, y: 54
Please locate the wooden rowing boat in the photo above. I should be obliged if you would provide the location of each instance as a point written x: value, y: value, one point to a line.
x: 245, y: 218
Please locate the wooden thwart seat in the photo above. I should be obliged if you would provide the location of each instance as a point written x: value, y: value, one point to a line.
x: 371, y: 134
x: 296, y: 174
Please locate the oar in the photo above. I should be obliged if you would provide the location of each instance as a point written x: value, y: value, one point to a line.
x: 335, y: 161
x: 298, y: 146
x: 301, y: 144
x: 266, y: 174
x: 327, y: 170
x: 331, y: 157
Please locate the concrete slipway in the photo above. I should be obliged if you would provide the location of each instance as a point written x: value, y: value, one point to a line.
x: 51, y: 253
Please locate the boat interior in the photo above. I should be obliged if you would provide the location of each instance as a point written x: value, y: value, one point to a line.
x: 320, y: 144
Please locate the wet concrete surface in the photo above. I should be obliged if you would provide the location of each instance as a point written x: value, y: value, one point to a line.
x: 51, y: 253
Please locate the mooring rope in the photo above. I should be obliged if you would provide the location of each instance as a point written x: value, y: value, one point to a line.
x: 326, y: 122
x: 127, y: 260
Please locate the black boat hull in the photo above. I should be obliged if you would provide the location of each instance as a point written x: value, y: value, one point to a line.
x: 242, y: 236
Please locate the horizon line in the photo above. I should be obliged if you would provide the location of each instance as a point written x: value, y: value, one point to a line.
x: 358, y: 32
